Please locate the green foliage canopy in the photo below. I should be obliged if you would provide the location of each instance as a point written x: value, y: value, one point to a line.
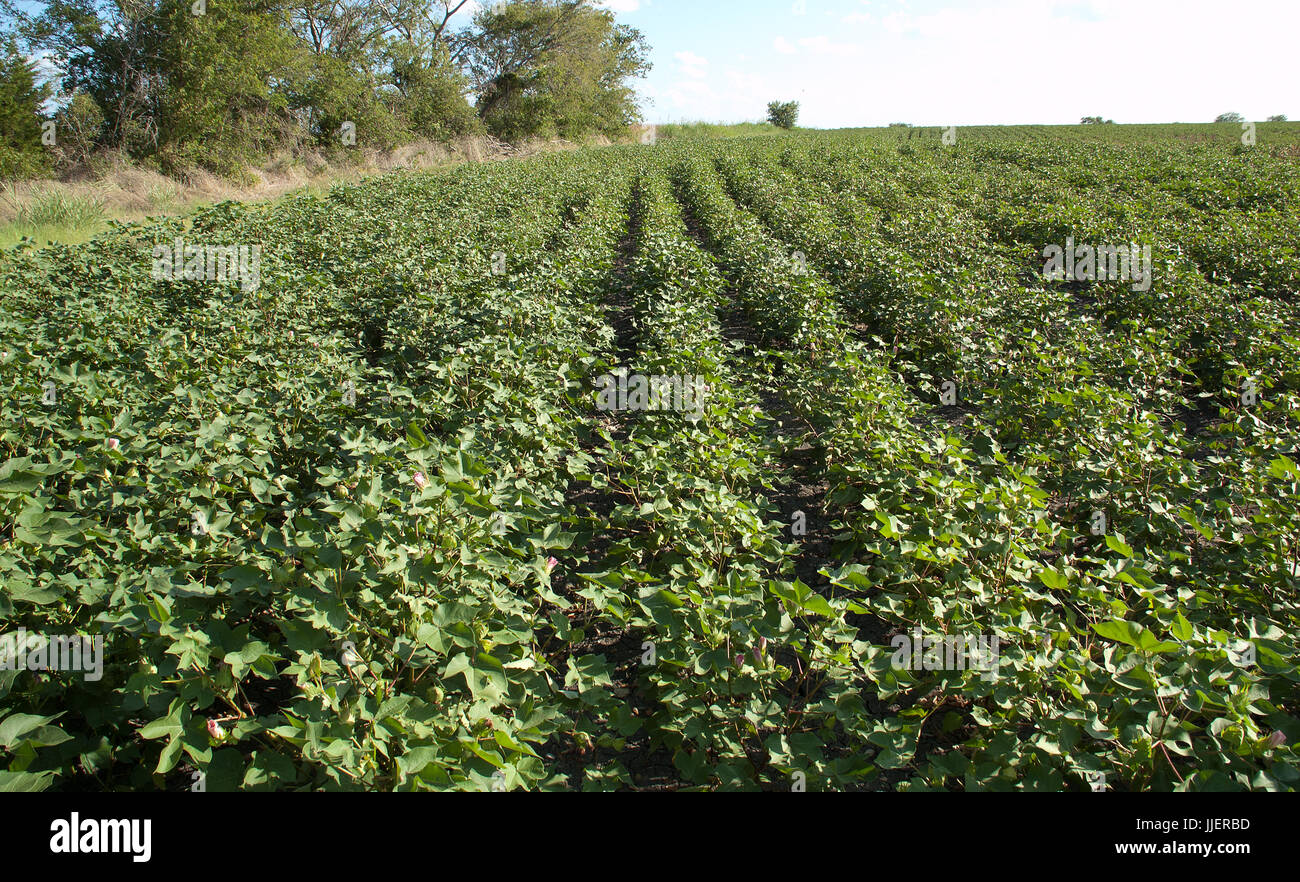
x: 784, y: 115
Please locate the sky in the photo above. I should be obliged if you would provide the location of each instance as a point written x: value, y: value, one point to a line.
x: 964, y: 62
x: 967, y: 62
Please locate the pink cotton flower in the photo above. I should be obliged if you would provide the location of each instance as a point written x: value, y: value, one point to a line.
x: 114, y: 444
x: 740, y: 659
x: 1276, y: 740
x: 551, y: 563
x: 215, y: 730
x: 420, y: 480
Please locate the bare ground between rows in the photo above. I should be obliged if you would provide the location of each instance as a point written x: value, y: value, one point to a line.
x: 804, y: 487
x: 650, y: 768
x: 801, y: 486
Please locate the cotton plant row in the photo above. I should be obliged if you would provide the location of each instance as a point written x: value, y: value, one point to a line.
x: 1228, y: 621
x: 421, y: 509
x: 316, y: 516
x: 698, y: 553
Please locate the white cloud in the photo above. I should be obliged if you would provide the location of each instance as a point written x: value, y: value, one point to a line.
x: 1053, y: 61
x: 818, y: 45
x: 974, y: 62
x: 727, y: 94
x: 824, y: 45
x: 692, y: 65
x: 861, y: 17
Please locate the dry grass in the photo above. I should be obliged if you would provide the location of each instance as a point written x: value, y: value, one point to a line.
x: 80, y: 205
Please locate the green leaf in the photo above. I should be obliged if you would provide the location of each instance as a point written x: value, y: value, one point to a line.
x: 1054, y: 580
x: 25, y: 782
x: 1115, y: 542
x: 1119, y: 630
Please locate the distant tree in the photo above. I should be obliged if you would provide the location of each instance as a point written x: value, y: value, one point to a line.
x: 390, y: 67
x: 900, y: 125
x: 225, y: 83
x: 554, y: 67
x: 21, y: 152
x: 1281, y: 117
x: 136, y: 60
x: 433, y: 90
x: 1096, y: 121
x: 1229, y: 118
x: 226, y: 113
x: 783, y: 115
x: 79, y: 125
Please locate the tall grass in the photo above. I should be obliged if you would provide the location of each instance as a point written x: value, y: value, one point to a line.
x: 714, y: 130
x: 55, y: 209
x: 51, y: 216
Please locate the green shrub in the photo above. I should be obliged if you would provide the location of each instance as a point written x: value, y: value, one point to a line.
x: 783, y: 115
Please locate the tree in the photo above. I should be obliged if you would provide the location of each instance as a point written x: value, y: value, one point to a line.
x: 189, y: 83
x: 542, y: 68
x: 1281, y: 117
x: 426, y: 25
x: 107, y: 50
x: 345, y: 78
x: 340, y: 28
x: 21, y: 151
x: 433, y: 92
x: 80, y: 126
x: 233, y: 109
x: 424, y: 57
x: 224, y: 83
x: 1095, y: 121
x: 1229, y: 118
x: 783, y: 115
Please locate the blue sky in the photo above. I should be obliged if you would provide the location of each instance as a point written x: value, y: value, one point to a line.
x: 967, y: 62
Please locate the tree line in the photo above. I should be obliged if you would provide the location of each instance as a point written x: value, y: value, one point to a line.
x: 223, y: 84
